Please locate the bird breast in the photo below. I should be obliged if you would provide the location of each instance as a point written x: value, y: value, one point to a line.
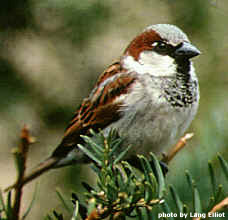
x: 149, y: 120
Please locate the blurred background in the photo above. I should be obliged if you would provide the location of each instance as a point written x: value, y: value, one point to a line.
x: 51, y: 53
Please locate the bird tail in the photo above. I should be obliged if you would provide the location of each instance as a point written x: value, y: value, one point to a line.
x: 41, y: 168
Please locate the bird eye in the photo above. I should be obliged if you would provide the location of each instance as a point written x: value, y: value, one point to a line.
x: 160, y: 46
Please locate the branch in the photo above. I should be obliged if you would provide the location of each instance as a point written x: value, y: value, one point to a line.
x: 180, y: 145
x: 20, y: 155
x: 218, y: 207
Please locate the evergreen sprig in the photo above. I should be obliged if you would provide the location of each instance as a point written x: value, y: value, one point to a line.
x: 121, y: 190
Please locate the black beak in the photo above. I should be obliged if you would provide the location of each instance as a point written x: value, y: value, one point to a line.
x: 186, y: 50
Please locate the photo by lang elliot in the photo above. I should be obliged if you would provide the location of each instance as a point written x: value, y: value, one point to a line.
x: 192, y: 215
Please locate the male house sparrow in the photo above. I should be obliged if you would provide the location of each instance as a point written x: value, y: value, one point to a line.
x: 150, y: 96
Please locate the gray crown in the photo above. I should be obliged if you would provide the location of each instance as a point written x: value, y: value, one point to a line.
x: 171, y: 33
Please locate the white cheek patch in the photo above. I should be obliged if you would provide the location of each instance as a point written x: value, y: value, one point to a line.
x: 151, y: 63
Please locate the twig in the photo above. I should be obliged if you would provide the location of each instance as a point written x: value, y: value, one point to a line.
x: 180, y: 145
x: 21, y: 158
x: 218, y: 207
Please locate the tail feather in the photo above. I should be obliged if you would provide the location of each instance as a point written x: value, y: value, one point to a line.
x: 43, y: 167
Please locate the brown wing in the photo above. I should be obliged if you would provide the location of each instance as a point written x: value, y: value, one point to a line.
x: 112, y: 70
x: 99, y: 110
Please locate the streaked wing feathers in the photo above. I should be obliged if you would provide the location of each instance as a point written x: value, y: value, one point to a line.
x: 99, y: 110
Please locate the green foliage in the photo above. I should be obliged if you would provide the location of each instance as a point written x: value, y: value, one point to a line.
x: 122, y: 190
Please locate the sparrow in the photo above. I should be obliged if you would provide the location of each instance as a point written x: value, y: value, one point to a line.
x: 150, y: 96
